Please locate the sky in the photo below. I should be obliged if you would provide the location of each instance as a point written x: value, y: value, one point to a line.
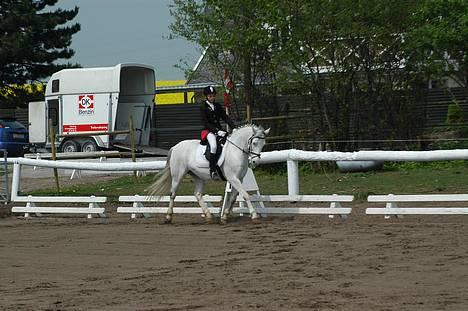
x: 122, y: 31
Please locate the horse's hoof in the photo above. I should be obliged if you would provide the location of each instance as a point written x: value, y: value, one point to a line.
x: 168, y: 221
x: 209, y: 219
x: 255, y: 218
x: 223, y: 221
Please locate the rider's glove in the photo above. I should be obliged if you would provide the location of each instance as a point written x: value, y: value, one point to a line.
x: 221, y: 133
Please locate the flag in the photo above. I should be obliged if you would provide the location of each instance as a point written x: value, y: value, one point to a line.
x: 228, y: 88
x: 228, y: 84
x: 227, y: 100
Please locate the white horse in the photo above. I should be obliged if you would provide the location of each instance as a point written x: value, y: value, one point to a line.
x: 244, y: 145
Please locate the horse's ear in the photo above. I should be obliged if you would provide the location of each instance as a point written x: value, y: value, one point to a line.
x: 267, y: 131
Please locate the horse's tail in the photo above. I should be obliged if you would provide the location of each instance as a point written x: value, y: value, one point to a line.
x: 163, y: 180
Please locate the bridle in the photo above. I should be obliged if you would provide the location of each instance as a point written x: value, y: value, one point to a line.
x: 249, y: 151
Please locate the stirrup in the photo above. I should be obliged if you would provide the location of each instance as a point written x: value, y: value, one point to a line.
x: 214, y: 175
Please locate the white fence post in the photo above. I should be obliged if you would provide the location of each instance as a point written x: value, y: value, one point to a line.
x: 293, y: 177
x: 15, y: 181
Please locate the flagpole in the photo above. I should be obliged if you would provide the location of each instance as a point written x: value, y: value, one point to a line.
x: 227, y: 110
x: 227, y: 86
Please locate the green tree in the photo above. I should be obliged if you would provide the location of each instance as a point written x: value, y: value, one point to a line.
x: 438, y: 40
x: 32, y: 39
x: 236, y: 35
x: 347, y: 56
x: 359, y: 64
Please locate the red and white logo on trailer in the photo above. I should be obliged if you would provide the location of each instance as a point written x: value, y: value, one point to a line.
x: 72, y: 128
x: 85, y: 105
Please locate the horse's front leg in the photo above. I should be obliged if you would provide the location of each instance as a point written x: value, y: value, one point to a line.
x: 229, y: 204
x: 199, y: 185
x: 237, y: 184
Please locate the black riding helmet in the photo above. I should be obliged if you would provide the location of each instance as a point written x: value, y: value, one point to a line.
x: 209, y: 90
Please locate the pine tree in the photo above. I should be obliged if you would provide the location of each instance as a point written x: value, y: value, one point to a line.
x: 32, y: 38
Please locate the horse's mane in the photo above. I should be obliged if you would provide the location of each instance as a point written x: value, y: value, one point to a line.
x: 247, y: 125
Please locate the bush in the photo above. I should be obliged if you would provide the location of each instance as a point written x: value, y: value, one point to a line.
x: 455, y: 114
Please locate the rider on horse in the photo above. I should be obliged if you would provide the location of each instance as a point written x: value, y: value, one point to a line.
x: 211, y: 114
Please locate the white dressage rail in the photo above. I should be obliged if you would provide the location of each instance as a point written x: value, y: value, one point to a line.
x: 392, y: 208
x: 291, y: 156
x: 334, y: 207
x: 32, y: 207
x: 139, y: 205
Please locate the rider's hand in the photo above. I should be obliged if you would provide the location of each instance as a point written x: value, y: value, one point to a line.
x: 221, y: 133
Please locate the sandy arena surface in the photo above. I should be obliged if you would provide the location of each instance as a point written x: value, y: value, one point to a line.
x: 282, y: 263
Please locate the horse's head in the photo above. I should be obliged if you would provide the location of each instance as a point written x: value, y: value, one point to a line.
x: 256, y: 142
x: 249, y: 139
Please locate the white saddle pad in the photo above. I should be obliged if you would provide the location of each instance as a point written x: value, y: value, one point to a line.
x: 201, y: 161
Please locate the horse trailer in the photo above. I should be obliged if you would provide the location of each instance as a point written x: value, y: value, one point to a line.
x: 85, y: 105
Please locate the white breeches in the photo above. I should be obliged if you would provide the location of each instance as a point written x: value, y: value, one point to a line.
x: 212, y: 141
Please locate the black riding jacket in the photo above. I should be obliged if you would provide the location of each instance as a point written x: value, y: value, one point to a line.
x: 211, y: 118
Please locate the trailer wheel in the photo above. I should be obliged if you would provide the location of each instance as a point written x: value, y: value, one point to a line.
x: 89, y: 145
x: 70, y: 146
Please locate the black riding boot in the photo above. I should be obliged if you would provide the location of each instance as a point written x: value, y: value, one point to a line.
x: 213, y: 164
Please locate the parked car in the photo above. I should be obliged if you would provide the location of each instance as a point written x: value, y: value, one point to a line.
x: 14, y: 137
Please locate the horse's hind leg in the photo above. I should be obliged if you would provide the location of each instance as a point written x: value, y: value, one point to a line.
x: 199, y: 185
x: 170, y: 208
x: 176, y: 179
